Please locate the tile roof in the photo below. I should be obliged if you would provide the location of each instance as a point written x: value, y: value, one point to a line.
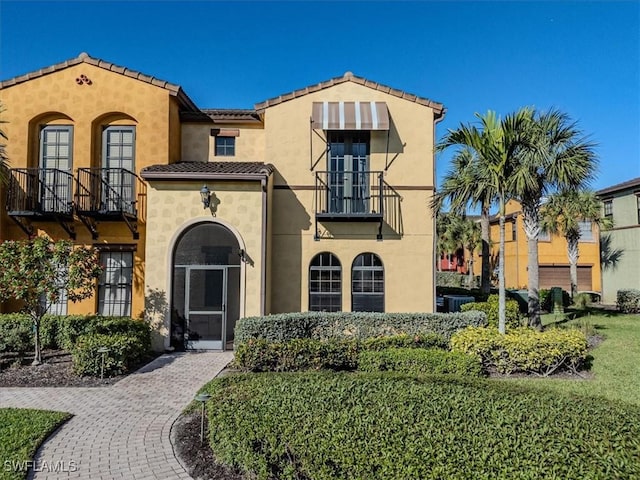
x: 635, y: 182
x: 350, y: 77
x: 196, y: 170
x: 173, y: 89
x: 222, y: 115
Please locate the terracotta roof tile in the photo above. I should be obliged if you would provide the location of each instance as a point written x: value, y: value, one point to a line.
x: 196, y: 170
x: 350, y: 77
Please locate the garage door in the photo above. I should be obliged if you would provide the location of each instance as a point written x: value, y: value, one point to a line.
x: 558, y: 276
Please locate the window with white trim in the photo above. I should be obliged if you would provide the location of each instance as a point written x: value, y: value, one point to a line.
x: 115, y: 285
x: 367, y: 284
x: 325, y: 283
x: 60, y: 306
x: 608, y: 208
x: 225, y: 146
x: 586, y: 231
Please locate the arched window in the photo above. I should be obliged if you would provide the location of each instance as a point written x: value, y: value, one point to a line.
x: 367, y: 284
x: 325, y: 283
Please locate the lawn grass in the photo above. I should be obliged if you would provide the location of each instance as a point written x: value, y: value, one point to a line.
x: 615, y: 364
x: 21, y: 433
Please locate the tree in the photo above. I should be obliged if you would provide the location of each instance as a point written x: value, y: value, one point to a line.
x: 496, y: 145
x: 460, y: 190
x: 562, y: 214
x: 4, y: 160
x: 554, y: 155
x: 470, y: 235
x: 34, y: 271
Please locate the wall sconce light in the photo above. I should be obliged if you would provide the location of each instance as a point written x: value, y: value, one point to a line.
x: 205, y: 196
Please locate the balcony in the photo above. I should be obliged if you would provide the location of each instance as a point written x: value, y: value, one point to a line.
x: 43, y: 194
x: 109, y: 194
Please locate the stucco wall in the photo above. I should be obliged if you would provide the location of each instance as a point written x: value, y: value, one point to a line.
x: 173, y: 206
x: 407, y: 248
x: 198, y: 145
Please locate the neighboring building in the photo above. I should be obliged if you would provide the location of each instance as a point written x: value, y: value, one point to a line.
x: 552, y: 254
x: 318, y: 199
x: 621, y: 245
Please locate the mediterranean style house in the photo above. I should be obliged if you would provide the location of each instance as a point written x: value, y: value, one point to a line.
x: 620, y: 245
x: 314, y: 200
x: 552, y: 254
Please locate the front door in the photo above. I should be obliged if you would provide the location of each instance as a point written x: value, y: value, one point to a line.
x: 205, y: 307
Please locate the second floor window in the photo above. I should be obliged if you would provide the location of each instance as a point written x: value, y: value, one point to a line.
x: 56, y: 152
x: 586, y: 232
x: 225, y: 146
x: 118, y: 147
x: 608, y: 208
x: 638, y: 205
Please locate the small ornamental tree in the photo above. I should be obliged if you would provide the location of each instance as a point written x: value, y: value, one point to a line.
x: 37, y: 272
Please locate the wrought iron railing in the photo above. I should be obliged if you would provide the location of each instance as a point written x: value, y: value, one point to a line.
x: 349, y: 194
x: 39, y: 191
x: 106, y: 191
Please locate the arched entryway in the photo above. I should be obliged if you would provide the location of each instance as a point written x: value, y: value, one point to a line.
x: 205, y: 287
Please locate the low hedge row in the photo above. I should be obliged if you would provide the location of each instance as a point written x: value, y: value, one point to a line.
x: 326, y: 425
x: 628, y: 301
x: 128, y: 340
x: 432, y: 361
x: 490, y: 308
x: 524, y: 349
x: 260, y: 355
x: 352, y: 325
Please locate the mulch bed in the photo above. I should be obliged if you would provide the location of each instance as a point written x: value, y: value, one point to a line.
x: 56, y: 371
x: 196, y: 457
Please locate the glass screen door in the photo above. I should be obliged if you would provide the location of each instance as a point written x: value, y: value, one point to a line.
x: 348, y: 172
x: 205, y: 307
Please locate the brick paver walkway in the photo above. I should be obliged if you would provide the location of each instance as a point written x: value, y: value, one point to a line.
x: 121, y: 431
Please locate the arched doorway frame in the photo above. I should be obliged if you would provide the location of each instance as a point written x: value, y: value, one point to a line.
x: 175, y: 238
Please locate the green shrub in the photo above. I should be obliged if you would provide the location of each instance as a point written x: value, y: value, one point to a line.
x: 405, y: 341
x: 352, y: 325
x: 628, y: 301
x: 125, y: 351
x: 325, y: 426
x: 450, y: 279
x: 544, y: 296
x: 16, y: 333
x: 524, y: 349
x: 420, y: 361
x: 582, y: 300
x: 473, y: 292
x: 490, y: 308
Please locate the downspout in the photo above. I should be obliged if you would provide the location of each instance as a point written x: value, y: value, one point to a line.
x: 263, y: 248
x: 433, y: 224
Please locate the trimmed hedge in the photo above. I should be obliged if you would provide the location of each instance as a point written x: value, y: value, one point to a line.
x: 352, y: 325
x: 326, y: 426
x: 16, y: 333
x: 420, y: 361
x: 490, y: 308
x: 524, y: 349
x: 260, y: 355
x: 450, y: 279
x: 125, y: 351
x: 628, y: 301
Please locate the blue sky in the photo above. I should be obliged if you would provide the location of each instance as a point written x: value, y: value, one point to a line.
x: 580, y: 57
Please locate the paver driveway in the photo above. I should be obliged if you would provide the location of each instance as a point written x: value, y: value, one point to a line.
x: 121, y: 431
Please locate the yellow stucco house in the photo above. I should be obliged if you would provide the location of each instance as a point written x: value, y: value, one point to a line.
x: 314, y: 200
x: 552, y: 254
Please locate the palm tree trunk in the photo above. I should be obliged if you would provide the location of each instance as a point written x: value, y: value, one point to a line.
x: 502, y: 300
x: 486, y: 260
x: 471, y: 283
x: 531, y: 222
x: 573, y: 254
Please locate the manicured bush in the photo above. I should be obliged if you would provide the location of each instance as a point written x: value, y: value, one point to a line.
x: 582, y: 300
x: 524, y: 349
x: 260, y: 355
x: 16, y: 333
x: 420, y: 361
x: 352, y: 325
x: 490, y: 308
x: 473, y: 292
x: 450, y: 279
x: 544, y: 296
x: 628, y: 301
x: 325, y: 426
x: 125, y: 351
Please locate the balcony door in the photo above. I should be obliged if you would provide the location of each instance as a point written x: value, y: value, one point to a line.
x: 348, y: 166
x: 55, y: 168
x: 118, y: 174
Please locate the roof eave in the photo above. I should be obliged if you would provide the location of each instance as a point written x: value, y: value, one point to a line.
x: 176, y: 176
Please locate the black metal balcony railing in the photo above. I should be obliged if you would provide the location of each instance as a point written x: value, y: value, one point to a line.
x: 349, y: 195
x: 43, y: 192
x: 106, y: 191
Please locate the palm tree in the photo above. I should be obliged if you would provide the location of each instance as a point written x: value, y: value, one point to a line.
x: 469, y: 234
x: 562, y: 214
x: 555, y: 156
x: 460, y: 189
x: 4, y: 160
x: 495, y: 145
x: 446, y: 241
